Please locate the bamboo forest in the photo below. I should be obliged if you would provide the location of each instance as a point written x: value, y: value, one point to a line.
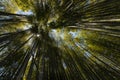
x: 59, y: 39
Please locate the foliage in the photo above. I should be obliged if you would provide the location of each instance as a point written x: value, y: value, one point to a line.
x: 60, y: 40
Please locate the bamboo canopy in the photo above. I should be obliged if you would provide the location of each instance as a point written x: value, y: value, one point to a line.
x: 59, y: 40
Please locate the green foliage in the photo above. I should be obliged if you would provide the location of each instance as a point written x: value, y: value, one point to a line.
x: 61, y: 40
x: 24, y: 4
